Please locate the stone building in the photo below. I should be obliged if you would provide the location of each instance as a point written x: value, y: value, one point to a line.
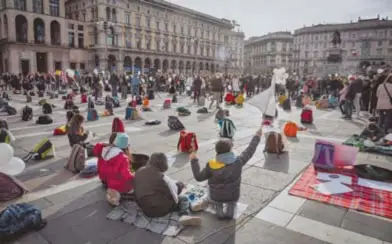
x: 234, y: 42
x: 367, y: 41
x: 264, y: 53
x: 121, y: 35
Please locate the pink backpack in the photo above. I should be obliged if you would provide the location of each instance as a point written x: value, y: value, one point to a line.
x: 167, y: 104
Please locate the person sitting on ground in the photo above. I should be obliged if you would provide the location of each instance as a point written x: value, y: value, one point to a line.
x: 332, y: 101
x: 322, y: 103
x: 372, y: 131
x: 158, y: 195
x: 230, y: 99
x: 114, y: 167
x: 224, y: 174
x: 299, y: 100
x: 75, y: 130
x: 240, y: 99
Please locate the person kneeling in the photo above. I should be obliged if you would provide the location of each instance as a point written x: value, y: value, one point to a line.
x: 158, y: 195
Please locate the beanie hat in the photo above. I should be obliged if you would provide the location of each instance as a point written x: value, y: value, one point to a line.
x: 159, y: 161
x: 121, y: 141
x: 223, y: 146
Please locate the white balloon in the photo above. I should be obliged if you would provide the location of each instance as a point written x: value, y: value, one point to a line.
x: 14, y: 167
x: 6, y: 152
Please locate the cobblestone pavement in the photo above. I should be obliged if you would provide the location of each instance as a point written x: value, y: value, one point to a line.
x: 76, y: 208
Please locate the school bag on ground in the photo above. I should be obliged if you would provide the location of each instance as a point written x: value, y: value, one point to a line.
x: 41, y: 150
x: 77, y: 160
x: 27, y: 113
x: 32, y: 93
x: 18, y: 219
x: 90, y: 103
x: 187, y: 142
x: 59, y: 131
x: 29, y: 99
x: 68, y: 104
x: 286, y: 105
x: 83, y: 98
x: 274, y: 143
x: 5, y: 136
x: 10, y: 188
x: 183, y: 111
x: 174, y: 123
x: 227, y: 129
x: 92, y: 114
x: 203, y: 110
x: 174, y: 99
x: 47, y: 108
x: 290, y: 129
x: 167, y: 104
x: 44, y: 120
x: 307, y: 116
x: 3, y: 124
x: 116, y: 102
x: 10, y: 110
x: 117, y: 126
x: 42, y: 102
x: 40, y: 94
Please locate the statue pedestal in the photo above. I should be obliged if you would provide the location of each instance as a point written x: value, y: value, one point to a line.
x: 334, y: 61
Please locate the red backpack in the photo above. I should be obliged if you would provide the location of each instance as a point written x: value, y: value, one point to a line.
x: 10, y: 188
x: 84, y: 98
x: 187, y: 142
x: 118, y: 126
x: 307, y: 116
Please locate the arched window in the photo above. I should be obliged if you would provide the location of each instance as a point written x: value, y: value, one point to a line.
x: 39, y: 31
x: 38, y: 6
x: 55, y: 31
x: 20, y: 4
x: 21, y: 28
x: 95, y: 33
x: 108, y: 13
x: 110, y: 38
x: 5, y: 26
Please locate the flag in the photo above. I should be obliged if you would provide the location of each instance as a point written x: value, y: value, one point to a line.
x: 265, y: 101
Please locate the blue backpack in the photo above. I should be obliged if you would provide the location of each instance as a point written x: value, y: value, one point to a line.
x: 128, y: 113
x: 18, y: 219
x: 92, y: 114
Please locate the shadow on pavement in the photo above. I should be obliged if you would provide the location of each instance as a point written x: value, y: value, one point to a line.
x: 278, y: 163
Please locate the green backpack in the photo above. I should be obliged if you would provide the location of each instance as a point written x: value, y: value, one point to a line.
x: 5, y: 136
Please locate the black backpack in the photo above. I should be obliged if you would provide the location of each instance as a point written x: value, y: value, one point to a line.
x: 10, y: 110
x: 40, y: 94
x: 32, y: 93
x: 47, y: 108
x: 90, y: 103
x: 174, y: 123
x: 286, y: 104
x: 28, y: 99
x: 27, y: 113
x: 5, y: 96
x: 44, y: 120
x: 68, y: 104
x: 3, y: 124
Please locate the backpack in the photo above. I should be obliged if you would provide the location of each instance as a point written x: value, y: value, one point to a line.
x: 5, y: 96
x: 167, y: 104
x: 117, y: 126
x: 77, y: 159
x: 183, y: 111
x: 29, y: 99
x: 323, y: 156
x: 220, y: 114
x: 274, y: 143
x: 42, y: 102
x: 307, y: 116
x: 128, y: 113
x: 32, y: 94
x: 75, y: 109
x: 27, y: 113
x: 290, y: 129
x: 109, y: 105
x: 3, y: 124
x: 92, y: 114
x: 44, y: 120
x: 10, y: 110
x: 203, y: 110
x: 286, y: 105
x: 40, y: 151
x: 139, y: 100
x: 152, y: 122
x: 40, y: 94
x: 187, y: 142
x: 116, y: 102
x: 59, y: 131
x: 90, y: 103
x: 68, y: 104
x: 83, y: 98
x: 174, y: 123
x: 46, y: 108
x: 174, y: 99
x: 202, y: 101
x: 227, y: 129
x: 5, y: 136
x: 18, y: 219
x: 10, y: 188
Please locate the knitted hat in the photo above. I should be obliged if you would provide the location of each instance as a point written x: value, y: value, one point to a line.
x: 223, y: 146
x: 159, y: 161
x: 121, y: 141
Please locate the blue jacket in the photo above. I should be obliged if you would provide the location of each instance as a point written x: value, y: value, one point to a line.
x: 135, y: 80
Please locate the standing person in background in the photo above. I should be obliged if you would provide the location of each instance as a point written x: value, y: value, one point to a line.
x: 217, y: 89
x: 384, y: 104
x: 357, y: 86
x: 197, y: 83
x: 114, y: 82
x: 135, y: 85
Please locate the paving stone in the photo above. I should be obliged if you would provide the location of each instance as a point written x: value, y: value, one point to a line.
x: 259, y: 231
x: 31, y: 238
x: 183, y: 175
x: 328, y: 214
x: 42, y: 203
x: 275, y: 216
x: 368, y: 225
x: 143, y: 236
x: 287, y: 203
x: 86, y: 225
x: 255, y: 197
x: 266, y: 179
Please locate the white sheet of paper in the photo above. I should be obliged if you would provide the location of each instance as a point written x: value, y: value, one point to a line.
x: 240, y: 209
x: 331, y: 188
x: 92, y: 162
x: 331, y: 177
x: 384, y: 186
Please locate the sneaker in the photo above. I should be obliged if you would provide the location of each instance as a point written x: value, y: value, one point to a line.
x: 187, y: 220
x: 199, y: 206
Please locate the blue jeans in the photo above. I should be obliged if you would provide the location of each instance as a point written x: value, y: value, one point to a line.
x: 135, y: 90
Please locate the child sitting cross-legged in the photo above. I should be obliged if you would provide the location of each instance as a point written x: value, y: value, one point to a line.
x: 224, y: 174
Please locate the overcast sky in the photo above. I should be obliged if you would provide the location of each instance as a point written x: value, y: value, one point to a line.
x: 258, y: 17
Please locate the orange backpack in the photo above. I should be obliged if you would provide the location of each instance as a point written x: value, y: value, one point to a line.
x: 290, y: 129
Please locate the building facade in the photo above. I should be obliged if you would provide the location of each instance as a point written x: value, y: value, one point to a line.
x: 267, y: 52
x: 235, y: 43
x: 114, y: 35
x: 367, y: 41
x: 34, y: 37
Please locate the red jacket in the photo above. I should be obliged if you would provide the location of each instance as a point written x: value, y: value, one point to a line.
x: 114, y: 168
x: 229, y: 98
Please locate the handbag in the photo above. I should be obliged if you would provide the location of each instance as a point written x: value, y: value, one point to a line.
x: 389, y: 95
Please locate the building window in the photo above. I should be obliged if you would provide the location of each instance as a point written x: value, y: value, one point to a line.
x: 166, y: 26
x: 158, y: 45
x: 110, y: 37
x: 182, y: 30
x: 71, y: 39
x: 389, y: 50
x: 80, y: 27
x: 54, y: 7
x: 182, y: 49
x: 39, y: 31
x: 71, y: 26
x: 390, y: 42
x: 138, y: 21
x: 174, y: 28
x: 72, y: 66
x: 174, y: 48
x: 95, y: 33
x: 80, y: 40
x: 157, y: 23
x: 4, y: 5
x: 38, y: 7
x: 379, y: 43
x: 148, y: 45
x: 379, y: 50
x: 148, y: 23
x: 20, y: 4
x: 108, y: 14
x: 92, y: 14
x: 82, y: 66
x: 128, y: 18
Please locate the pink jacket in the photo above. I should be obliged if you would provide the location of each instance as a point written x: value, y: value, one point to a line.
x: 383, y: 101
x: 343, y: 93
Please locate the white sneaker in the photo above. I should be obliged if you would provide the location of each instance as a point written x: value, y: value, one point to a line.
x: 199, y: 206
x: 187, y: 220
